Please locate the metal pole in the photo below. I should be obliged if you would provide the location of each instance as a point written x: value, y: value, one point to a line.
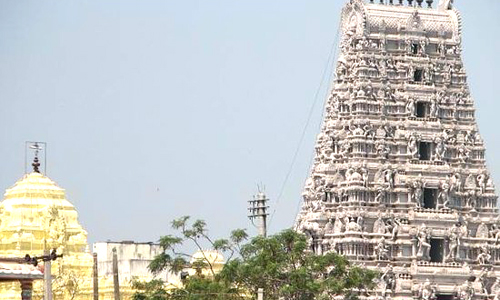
x: 47, y: 277
x: 95, y: 274
x: 116, y: 282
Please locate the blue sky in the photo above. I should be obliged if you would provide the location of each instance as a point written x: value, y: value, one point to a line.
x: 158, y: 109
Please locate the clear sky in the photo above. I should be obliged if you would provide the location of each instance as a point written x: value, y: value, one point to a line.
x: 157, y: 109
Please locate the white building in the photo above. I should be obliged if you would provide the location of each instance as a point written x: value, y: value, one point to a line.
x: 133, y: 260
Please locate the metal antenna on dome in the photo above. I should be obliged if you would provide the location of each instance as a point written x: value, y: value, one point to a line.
x: 37, y: 147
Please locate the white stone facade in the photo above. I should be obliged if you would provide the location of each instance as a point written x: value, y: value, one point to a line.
x: 399, y: 183
x: 133, y: 260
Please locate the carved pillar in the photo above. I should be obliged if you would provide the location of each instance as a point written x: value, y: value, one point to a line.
x: 26, y: 289
x: 414, y: 247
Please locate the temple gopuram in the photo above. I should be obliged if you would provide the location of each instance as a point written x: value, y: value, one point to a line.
x: 399, y: 183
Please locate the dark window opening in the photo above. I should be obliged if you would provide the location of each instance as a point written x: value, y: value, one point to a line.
x: 430, y: 198
x: 432, y: 49
x: 418, y: 76
x: 437, y: 250
x: 421, y: 109
x: 414, y: 48
x: 444, y: 297
x: 424, y: 150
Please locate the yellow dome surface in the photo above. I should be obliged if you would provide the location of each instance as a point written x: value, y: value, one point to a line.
x: 35, y: 211
x: 212, y: 257
x: 36, y: 216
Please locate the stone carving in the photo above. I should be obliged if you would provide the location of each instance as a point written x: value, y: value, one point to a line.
x: 410, y: 107
x: 329, y: 226
x: 379, y: 226
x: 382, y: 250
x: 495, y: 289
x: 484, y: 257
x: 440, y: 149
x: 444, y: 194
x: 413, y: 146
x: 354, y: 224
x: 463, y: 154
x: 423, y: 245
x: 388, y: 279
x: 416, y: 188
x: 456, y: 183
x: 466, y: 291
x: 380, y: 196
x: 495, y: 232
x: 482, y: 231
x: 338, y: 226
x: 383, y: 150
x: 57, y: 234
x: 482, y: 178
x: 470, y: 182
x: 397, y: 63
x: 482, y: 280
x: 427, y: 291
x: 455, y: 235
x: 394, y: 226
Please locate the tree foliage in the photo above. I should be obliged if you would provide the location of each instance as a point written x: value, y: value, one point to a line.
x: 285, y: 268
x: 200, y: 286
x: 282, y: 265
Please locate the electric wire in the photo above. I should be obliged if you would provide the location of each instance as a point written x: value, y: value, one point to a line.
x: 328, y: 65
x: 311, y: 157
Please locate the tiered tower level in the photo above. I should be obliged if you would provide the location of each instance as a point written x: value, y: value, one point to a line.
x: 399, y: 182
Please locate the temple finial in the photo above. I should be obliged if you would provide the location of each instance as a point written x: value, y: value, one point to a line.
x: 445, y: 4
x: 36, y: 161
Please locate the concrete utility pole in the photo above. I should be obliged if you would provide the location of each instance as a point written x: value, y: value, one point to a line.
x: 116, y: 282
x: 260, y: 294
x: 47, y: 277
x: 47, y: 258
x: 95, y: 275
x: 258, y: 212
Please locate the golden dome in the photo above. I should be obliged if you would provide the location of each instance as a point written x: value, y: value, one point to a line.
x: 36, y: 189
x: 36, y: 209
x: 36, y: 216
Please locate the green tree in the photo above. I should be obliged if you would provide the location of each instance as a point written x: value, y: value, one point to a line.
x: 200, y: 286
x: 285, y: 268
x: 282, y: 265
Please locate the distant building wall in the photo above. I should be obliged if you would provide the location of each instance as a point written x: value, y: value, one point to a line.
x: 133, y: 260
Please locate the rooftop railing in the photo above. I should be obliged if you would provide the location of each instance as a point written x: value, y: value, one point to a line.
x: 418, y: 3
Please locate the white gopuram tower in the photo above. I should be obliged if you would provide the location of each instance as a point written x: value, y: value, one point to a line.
x: 399, y: 182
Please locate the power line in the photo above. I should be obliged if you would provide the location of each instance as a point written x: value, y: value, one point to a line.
x: 328, y: 65
x: 324, y: 106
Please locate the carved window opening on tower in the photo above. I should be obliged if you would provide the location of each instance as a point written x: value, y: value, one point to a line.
x: 430, y: 198
x: 415, y: 48
x: 432, y: 49
x: 418, y: 75
x: 437, y: 250
x: 424, y: 150
x: 422, y: 109
x: 444, y: 297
